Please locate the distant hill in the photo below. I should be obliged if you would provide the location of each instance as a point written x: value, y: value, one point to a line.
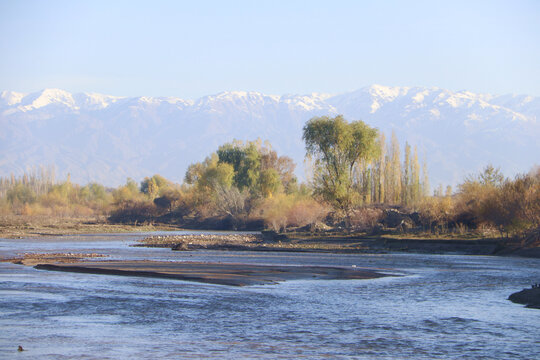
x: 109, y: 138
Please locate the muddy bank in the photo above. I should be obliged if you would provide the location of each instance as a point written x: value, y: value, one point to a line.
x: 199, y: 241
x: 337, y: 243
x: 19, y: 227
x: 529, y: 297
x: 532, y: 252
x: 31, y: 259
x: 244, y: 242
x: 213, y: 273
x: 466, y: 247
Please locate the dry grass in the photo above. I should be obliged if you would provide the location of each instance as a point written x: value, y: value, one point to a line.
x: 250, y: 242
x: 32, y: 259
x: 20, y: 226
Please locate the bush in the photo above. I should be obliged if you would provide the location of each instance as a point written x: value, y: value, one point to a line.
x: 281, y: 211
x: 274, y: 211
x: 436, y: 212
x: 306, y: 212
x: 21, y: 194
x: 366, y: 218
x: 134, y: 212
x: 512, y: 206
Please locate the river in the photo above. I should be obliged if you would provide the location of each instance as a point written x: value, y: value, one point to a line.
x: 438, y: 307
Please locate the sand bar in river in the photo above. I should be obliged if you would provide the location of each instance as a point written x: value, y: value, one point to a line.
x: 213, y: 273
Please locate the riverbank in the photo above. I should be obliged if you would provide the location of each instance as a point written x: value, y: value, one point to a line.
x: 335, y: 243
x: 33, y: 259
x: 18, y: 227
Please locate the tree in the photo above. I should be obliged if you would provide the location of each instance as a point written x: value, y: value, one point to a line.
x: 168, y: 200
x: 269, y: 182
x: 491, y: 177
x: 425, y: 183
x: 283, y: 165
x: 235, y: 177
x: 511, y: 205
x: 394, y: 191
x: 246, y: 161
x: 381, y: 167
x: 337, y: 147
x: 233, y: 203
x: 21, y: 194
x: 127, y: 192
x: 154, y: 185
x: 257, y: 167
x: 406, y: 186
x: 220, y: 174
x: 415, y: 175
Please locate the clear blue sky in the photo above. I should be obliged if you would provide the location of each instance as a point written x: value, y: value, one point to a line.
x: 194, y: 48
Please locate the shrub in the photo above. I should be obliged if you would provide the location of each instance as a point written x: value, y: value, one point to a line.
x: 134, y: 211
x: 21, y: 194
x: 366, y: 218
x: 436, y: 212
x: 306, y: 211
x: 274, y: 211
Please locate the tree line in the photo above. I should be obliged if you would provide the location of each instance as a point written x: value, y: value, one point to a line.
x: 355, y: 175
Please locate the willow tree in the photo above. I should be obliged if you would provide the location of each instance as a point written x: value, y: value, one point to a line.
x: 337, y: 148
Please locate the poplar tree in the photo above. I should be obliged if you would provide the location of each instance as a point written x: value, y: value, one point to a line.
x: 395, y: 170
x: 425, y: 181
x: 381, y: 170
x: 415, y: 175
x: 406, y: 183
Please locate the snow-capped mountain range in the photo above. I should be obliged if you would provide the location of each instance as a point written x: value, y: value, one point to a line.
x: 104, y: 138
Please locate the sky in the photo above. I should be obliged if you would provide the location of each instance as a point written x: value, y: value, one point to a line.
x: 194, y: 48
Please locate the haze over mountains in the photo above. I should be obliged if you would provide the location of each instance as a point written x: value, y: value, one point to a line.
x: 109, y: 138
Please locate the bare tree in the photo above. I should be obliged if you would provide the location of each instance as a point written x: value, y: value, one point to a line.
x: 230, y: 201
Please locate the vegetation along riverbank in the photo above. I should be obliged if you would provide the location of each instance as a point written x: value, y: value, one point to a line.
x: 360, y: 187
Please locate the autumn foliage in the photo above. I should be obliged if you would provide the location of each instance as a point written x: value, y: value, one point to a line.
x: 357, y: 181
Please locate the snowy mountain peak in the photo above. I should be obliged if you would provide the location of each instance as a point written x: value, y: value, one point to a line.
x: 95, y: 101
x: 47, y: 97
x: 387, y: 93
x: 239, y: 96
x: 10, y: 98
x: 111, y: 137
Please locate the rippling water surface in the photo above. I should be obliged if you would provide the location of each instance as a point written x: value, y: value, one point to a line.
x: 442, y: 307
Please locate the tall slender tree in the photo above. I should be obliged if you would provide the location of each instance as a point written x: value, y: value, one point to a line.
x: 425, y: 182
x: 395, y: 171
x: 415, y: 175
x: 406, y: 184
x: 381, y: 170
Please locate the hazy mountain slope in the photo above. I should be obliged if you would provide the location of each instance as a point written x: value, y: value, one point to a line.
x: 107, y: 139
x: 459, y: 132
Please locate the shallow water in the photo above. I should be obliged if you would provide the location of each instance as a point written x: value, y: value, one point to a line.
x: 442, y: 307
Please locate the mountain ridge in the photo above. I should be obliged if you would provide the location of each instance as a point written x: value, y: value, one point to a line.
x: 106, y: 138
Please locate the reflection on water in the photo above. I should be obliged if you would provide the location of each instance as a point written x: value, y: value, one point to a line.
x: 446, y: 307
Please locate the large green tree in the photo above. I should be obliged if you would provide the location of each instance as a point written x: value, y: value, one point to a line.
x: 246, y: 161
x: 257, y: 167
x: 338, y: 147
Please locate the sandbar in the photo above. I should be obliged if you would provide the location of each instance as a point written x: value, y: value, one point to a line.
x: 231, y: 274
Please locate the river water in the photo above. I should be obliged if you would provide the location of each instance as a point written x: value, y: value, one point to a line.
x: 440, y: 307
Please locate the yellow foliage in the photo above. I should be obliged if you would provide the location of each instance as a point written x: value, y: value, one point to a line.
x: 306, y: 211
x: 284, y: 210
x: 274, y: 211
x: 436, y: 210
